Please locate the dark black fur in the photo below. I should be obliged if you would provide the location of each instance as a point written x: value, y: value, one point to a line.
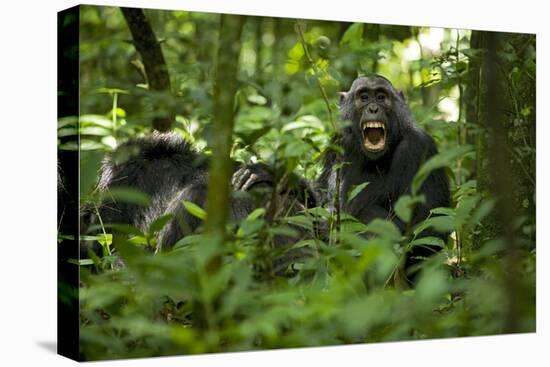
x: 389, y: 172
x: 166, y: 167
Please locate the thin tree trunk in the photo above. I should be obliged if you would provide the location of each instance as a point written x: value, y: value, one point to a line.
x: 499, y: 166
x: 226, y: 84
x: 258, y: 67
x: 147, y: 45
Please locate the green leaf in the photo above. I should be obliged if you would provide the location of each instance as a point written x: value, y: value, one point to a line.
x: 67, y: 121
x: 95, y: 130
x: 284, y: 230
x: 123, y: 228
x: 257, y: 99
x: 256, y: 213
x: 138, y: 240
x: 352, y: 225
x: 443, y: 211
x: 303, y: 122
x: 353, y: 35
x: 67, y: 131
x: 356, y: 190
x: 188, y: 240
x: 429, y: 241
x: 105, y: 239
x: 293, y: 125
x: 81, y: 262
x: 482, y: 211
x: 464, y: 209
x: 443, y: 159
x: 296, y: 148
x: 87, y: 120
x: 441, y: 223
x: 87, y: 144
x: 250, y: 227
x: 129, y: 195
x: 301, y: 221
x: 320, y: 212
x: 385, y: 229
x: 405, y: 206
x: 194, y: 210
x: 158, y: 224
x: 112, y: 91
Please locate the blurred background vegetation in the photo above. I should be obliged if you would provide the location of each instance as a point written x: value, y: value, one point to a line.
x: 342, y: 295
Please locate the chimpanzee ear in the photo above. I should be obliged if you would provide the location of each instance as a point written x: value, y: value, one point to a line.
x: 402, y: 95
x: 342, y: 96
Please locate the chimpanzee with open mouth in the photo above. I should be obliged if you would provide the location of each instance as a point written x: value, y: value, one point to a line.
x: 382, y: 146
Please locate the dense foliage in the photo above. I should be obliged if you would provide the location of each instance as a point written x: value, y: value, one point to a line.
x: 348, y: 292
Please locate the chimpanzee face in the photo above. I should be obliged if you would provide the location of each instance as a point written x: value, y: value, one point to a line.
x: 369, y: 104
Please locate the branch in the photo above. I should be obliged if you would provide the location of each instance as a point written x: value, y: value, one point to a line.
x: 225, y: 88
x: 147, y: 45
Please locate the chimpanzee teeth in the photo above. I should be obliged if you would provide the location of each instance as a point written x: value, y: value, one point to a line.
x: 373, y: 125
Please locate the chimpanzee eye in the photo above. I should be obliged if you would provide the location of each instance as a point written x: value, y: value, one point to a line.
x: 364, y: 97
x: 380, y: 97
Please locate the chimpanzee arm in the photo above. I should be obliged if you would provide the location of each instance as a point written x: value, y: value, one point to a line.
x: 413, y: 151
x: 248, y: 177
x: 410, y: 155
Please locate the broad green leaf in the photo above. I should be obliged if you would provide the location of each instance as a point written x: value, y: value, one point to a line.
x: 194, y: 210
x: 67, y: 131
x: 138, y: 240
x: 250, y: 227
x: 284, y: 230
x: 70, y: 145
x: 427, y: 241
x: 296, y: 148
x: 303, y: 122
x: 352, y: 226
x: 87, y: 144
x: 356, y: 190
x: 95, y: 130
x: 319, y: 211
x: 158, y: 224
x: 256, y: 213
x: 464, y: 209
x: 353, y: 35
x: 482, y: 211
x: 188, y: 240
x: 120, y: 112
x: 294, y: 125
x: 81, y: 262
x: 405, y: 206
x: 385, y: 229
x: 257, y: 99
x: 443, y: 159
x: 301, y: 221
x: 109, y: 141
x: 441, y: 223
x: 86, y: 120
x: 443, y: 211
x: 67, y: 121
x: 105, y: 239
x: 122, y: 228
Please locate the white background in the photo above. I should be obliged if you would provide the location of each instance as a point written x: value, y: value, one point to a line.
x: 28, y: 182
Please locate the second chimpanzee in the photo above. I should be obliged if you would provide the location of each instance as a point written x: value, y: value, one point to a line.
x: 382, y: 146
x: 167, y: 168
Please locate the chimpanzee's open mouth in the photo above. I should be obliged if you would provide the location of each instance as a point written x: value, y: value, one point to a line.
x: 374, y: 135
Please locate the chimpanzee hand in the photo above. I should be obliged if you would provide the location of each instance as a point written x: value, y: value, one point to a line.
x: 251, y: 175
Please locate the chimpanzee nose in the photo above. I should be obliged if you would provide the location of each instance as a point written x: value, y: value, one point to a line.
x: 372, y: 108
